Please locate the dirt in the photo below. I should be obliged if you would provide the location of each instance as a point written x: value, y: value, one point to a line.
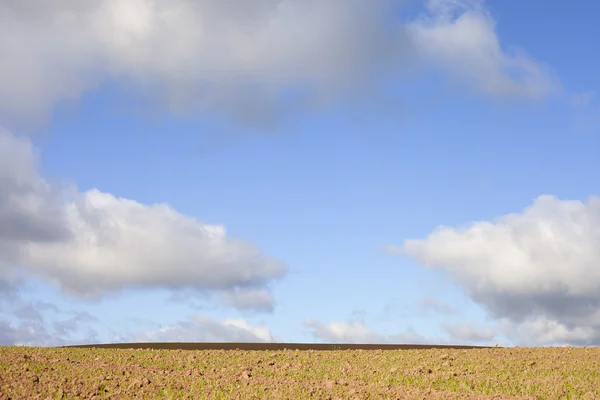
x: 441, y: 373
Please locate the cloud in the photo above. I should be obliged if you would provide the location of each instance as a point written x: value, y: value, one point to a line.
x: 240, y: 57
x: 356, y: 332
x: 543, y: 331
x: 94, y: 243
x: 536, y: 268
x: 29, y: 206
x: 8, y: 292
x: 470, y: 333
x: 250, y: 61
x: 343, y: 332
x: 25, y: 322
x: 253, y: 299
x: 458, y: 36
x: 27, y: 333
x: 72, y: 325
x: 33, y: 311
x: 200, y: 328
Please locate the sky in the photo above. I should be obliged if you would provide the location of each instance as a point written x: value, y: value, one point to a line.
x: 340, y: 171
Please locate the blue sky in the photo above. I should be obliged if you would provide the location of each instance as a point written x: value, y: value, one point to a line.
x: 384, y: 173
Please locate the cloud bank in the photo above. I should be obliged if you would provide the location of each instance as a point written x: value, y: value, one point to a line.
x: 249, y: 61
x: 94, y: 243
x: 200, y: 328
x: 535, y: 272
x: 356, y: 332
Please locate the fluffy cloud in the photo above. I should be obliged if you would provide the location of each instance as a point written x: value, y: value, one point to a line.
x: 541, y: 330
x: 343, y: 332
x: 200, y: 328
x: 536, y: 271
x: 94, y: 243
x: 242, y: 58
x: 29, y: 206
x: 355, y: 332
x: 216, y: 55
x: 459, y: 36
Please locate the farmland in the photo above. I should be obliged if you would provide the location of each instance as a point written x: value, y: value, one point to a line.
x: 245, y: 372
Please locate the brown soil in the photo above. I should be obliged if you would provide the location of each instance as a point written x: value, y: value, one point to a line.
x: 269, y: 346
x: 440, y: 373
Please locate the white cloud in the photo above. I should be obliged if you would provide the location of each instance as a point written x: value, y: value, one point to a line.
x: 356, y: 332
x: 200, y: 328
x: 343, y: 332
x: 540, y: 265
x: 459, y: 36
x: 260, y: 331
x: 543, y: 331
x: 94, y: 243
x: 470, y: 333
x: 239, y: 58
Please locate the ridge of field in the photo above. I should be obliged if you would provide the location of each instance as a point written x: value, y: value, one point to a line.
x: 251, y: 346
x: 435, y: 373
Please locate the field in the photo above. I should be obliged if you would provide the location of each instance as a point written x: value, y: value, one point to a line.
x: 326, y: 372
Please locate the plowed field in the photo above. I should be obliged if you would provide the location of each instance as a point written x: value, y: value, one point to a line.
x: 440, y: 373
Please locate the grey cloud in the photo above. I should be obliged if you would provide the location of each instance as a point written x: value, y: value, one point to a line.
x: 73, y: 324
x: 539, y: 265
x: 27, y: 333
x: 241, y: 57
x: 38, y: 334
x: 28, y: 312
x: 29, y: 206
x: 25, y: 322
x: 246, y: 60
x: 32, y: 310
x: 9, y: 292
x: 114, y: 244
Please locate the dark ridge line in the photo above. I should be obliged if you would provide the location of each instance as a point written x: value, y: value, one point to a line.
x: 271, y: 346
